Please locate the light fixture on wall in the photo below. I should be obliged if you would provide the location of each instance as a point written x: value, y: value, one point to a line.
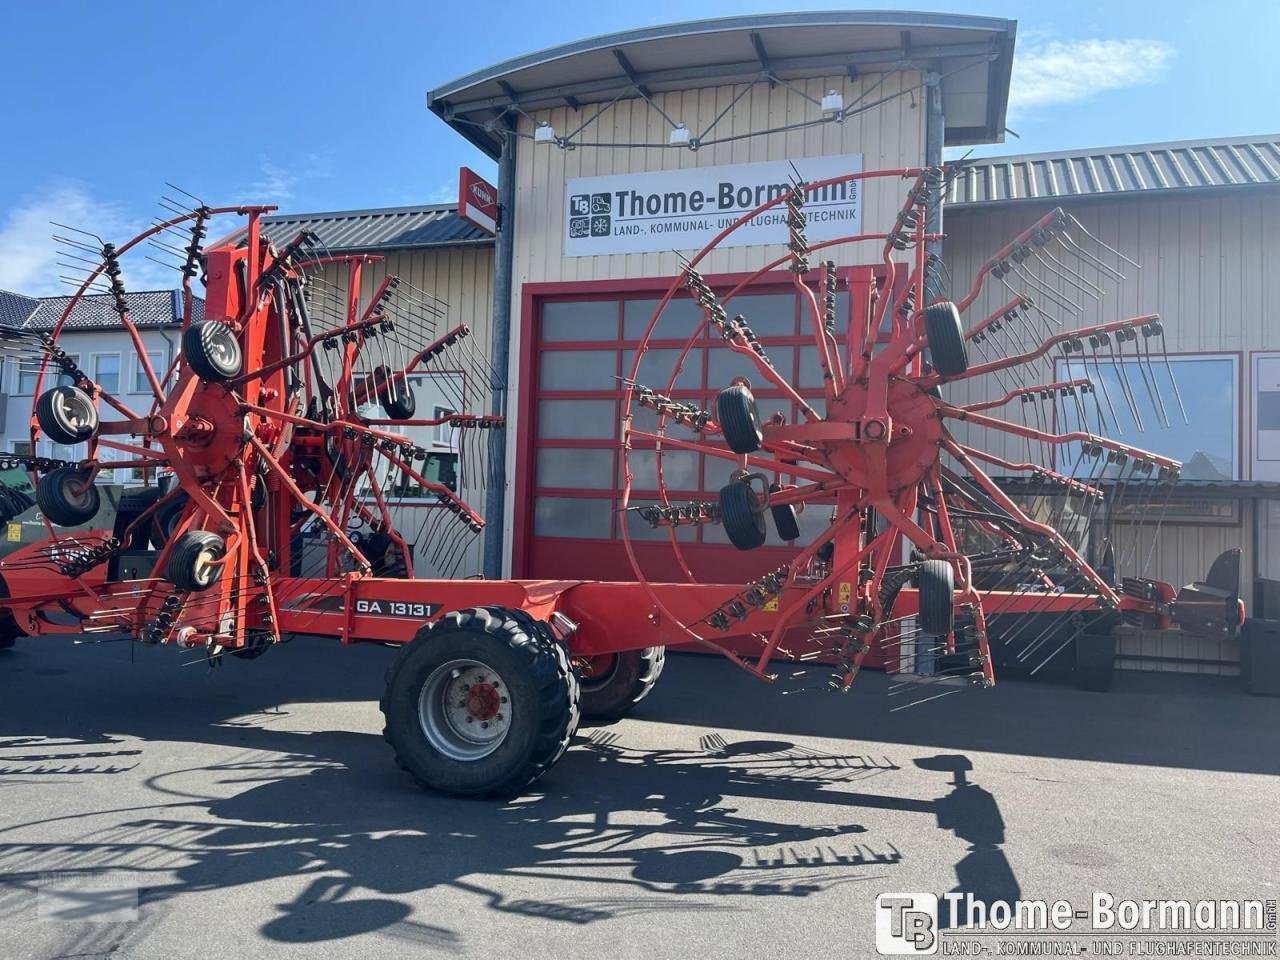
x: 680, y: 136
x: 544, y: 132
x: 833, y: 105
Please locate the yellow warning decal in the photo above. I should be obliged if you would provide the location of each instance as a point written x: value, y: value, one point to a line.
x: 15, y: 533
x: 846, y: 591
x: 771, y: 605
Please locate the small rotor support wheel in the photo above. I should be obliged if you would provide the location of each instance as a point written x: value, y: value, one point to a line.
x: 945, y: 333
x: 68, y: 496
x: 67, y: 415
x: 742, y: 513
x: 212, y: 351
x: 936, y: 583
x: 739, y: 418
x: 196, y: 560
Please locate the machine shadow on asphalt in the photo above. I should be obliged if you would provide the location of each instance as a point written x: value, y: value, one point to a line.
x: 649, y: 829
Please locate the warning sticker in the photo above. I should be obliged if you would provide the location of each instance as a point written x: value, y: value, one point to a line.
x: 15, y: 533
x: 846, y: 591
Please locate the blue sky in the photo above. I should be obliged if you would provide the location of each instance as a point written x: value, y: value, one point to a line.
x: 320, y: 106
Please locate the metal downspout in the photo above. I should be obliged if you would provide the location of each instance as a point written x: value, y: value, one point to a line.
x: 500, y: 356
x: 934, y: 133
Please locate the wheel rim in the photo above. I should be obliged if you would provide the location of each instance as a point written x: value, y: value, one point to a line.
x: 600, y: 670
x: 224, y: 351
x: 74, y: 414
x: 465, y: 710
x: 205, y: 565
x: 77, y: 492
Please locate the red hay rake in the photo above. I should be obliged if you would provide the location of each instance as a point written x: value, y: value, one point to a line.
x: 287, y: 488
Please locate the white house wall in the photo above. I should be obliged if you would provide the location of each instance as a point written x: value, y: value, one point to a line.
x: 890, y: 136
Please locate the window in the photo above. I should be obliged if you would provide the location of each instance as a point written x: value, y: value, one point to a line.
x: 1187, y: 410
x: 29, y: 370
x: 106, y: 371
x: 22, y: 448
x: 158, y: 363
x: 443, y: 394
x: 444, y: 434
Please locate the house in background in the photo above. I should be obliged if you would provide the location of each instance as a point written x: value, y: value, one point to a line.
x: 96, y: 341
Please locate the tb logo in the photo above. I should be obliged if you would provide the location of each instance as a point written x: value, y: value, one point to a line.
x: 907, y: 923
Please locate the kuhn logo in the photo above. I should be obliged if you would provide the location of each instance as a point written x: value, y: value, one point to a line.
x: 906, y: 923
x: 483, y: 196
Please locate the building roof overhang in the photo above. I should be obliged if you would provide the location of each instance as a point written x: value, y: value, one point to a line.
x: 731, y: 50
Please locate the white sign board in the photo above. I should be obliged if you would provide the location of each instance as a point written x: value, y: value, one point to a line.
x: 685, y: 209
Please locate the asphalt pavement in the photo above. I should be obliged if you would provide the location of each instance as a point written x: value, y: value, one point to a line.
x: 151, y: 807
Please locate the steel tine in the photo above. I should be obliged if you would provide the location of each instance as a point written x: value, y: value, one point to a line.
x: 1103, y: 244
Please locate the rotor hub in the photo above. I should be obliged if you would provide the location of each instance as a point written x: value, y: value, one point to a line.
x: 909, y: 427
x: 211, y: 435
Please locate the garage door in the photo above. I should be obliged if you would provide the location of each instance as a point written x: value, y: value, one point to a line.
x: 568, y: 521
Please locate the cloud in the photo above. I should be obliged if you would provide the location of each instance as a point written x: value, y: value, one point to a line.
x: 1053, y: 72
x: 29, y: 256
x: 447, y: 192
x: 278, y: 184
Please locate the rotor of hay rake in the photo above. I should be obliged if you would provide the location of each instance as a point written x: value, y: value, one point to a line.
x: 893, y: 477
x: 280, y: 456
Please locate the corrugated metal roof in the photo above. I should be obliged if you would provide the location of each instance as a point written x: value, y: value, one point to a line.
x: 372, y: 231
x: 147, y: 309
x: 16, y: 309
x: 1148, y: 168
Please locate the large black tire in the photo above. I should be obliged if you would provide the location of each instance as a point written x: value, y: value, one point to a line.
x: 67, y: 498
x: 212, y: 351
x: 947, y: 349
x: 936, y: 582
x: 192, y: 562
x: 609, y: 695
x: 497, y: 646
x: 738, y: 418
x: 741, y: 516
x: 67, y: 415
